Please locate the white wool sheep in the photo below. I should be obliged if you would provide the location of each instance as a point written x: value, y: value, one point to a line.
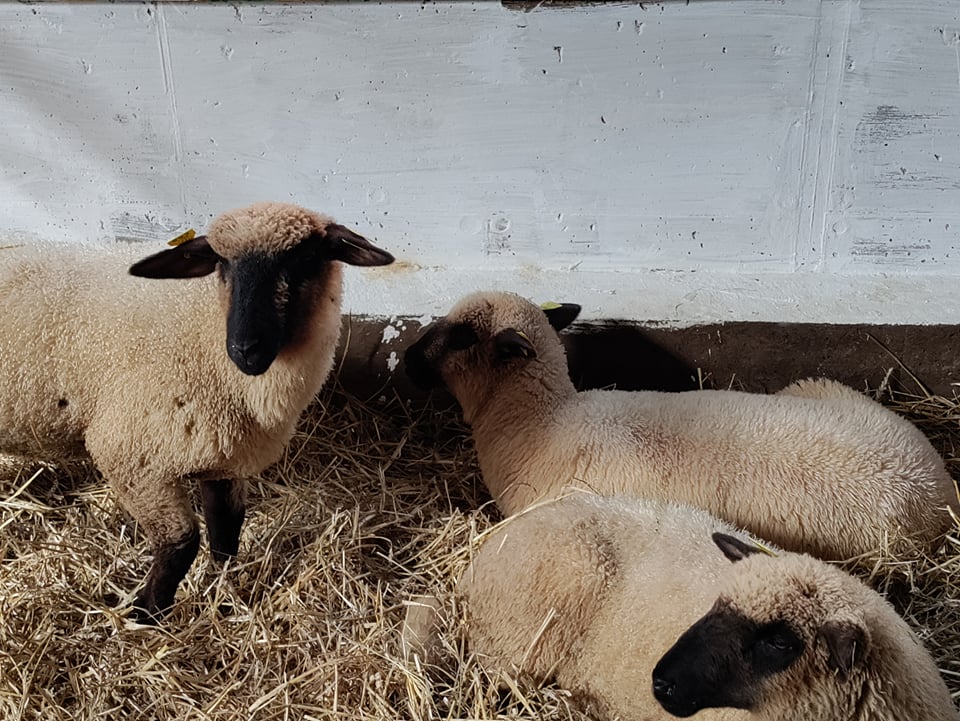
x: 817, y: 468
x: 793, y: 639
x: 590, y: 591
x: 160, y: 382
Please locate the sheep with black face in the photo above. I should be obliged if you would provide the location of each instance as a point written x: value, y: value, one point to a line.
x: 817, y: 467
x: 793, y: 639
x: 202, y: 377
x: 589, y: 591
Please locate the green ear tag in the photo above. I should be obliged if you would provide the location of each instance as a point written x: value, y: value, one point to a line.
x: 183, y: 238
x: 524, y: 336
x: 550, y: 305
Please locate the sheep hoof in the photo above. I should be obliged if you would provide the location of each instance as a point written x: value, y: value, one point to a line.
x: 145, y: 611
x: 221, y: 557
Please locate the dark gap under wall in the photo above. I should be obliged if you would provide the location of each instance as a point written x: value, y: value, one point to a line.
x: 760, y: 357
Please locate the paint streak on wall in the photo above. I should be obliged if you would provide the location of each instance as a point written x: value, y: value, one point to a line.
x: 655, y: 162
x: 896, y: 186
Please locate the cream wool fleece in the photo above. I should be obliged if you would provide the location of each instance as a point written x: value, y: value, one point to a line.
x: 817, y: 467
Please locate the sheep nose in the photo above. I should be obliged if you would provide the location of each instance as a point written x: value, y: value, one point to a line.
x: 249, y: 349
x: 663, y: 688
x: 253, y: 357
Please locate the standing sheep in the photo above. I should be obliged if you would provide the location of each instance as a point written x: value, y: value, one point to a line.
x: 817, y: 468
x: 590, y: 591
x: 793, y: 639
x: 186, y: 379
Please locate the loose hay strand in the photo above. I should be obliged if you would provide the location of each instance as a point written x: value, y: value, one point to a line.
x: 372, y: 505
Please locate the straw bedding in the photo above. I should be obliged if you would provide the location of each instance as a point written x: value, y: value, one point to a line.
x: 373, y: 504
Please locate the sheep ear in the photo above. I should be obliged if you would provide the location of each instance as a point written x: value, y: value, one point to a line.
x: 511, y: 343
x: 847, y: 644
x: 733, y: 548
x: 349, y: 247
x: 192, y: 259
x: 561, y: 315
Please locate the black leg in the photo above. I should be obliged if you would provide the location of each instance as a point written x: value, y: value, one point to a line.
x: 170, y: 564
x: 223, y: 510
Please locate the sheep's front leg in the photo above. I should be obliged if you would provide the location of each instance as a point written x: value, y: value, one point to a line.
x: 162, y: 508
x: 223, y: 510
x: 171, y: 561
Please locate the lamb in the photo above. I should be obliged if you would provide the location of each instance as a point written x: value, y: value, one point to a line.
x: 590, y: 591
x: 793, y: 639
x: 160, y: 383
x: 817, y: 468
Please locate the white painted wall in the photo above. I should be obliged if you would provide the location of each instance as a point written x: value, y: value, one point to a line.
x: 722, y: 160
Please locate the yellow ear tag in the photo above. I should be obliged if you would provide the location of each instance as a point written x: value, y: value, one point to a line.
x: 525, y: 351
x: 183, y: 238
x: 550, y: 305
x: 763, y: 548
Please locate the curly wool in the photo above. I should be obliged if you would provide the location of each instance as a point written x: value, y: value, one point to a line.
x: 265, y: 227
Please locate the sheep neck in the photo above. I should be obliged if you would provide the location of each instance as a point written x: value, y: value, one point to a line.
x: 518, y: 400
x: 507, y: 420
x: 908, y: 686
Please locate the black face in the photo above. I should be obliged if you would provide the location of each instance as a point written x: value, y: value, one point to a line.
x: 420, y: 370
x: 721, y: 661
x: 424, y: 359
x: 266, y: 295
x: 421, y: 360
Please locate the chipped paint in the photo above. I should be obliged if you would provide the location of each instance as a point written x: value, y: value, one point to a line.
x: 392, y: 361
x: 389, y: 333
x: 650, y: 162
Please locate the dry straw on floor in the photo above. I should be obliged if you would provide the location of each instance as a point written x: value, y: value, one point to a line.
x: 371, y: 506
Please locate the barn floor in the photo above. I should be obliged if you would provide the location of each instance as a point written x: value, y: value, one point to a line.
x: 372, y: 505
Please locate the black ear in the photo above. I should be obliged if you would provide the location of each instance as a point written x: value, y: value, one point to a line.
x: 847, y: 644
x: 561, y: 315
x: 348, y: 247
x: 511, y: 343
x: 733, y: 548
x: 461, y: 336
x: 192, y: 259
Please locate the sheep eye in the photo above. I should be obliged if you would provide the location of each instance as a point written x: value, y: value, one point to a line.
x: 779, y: 643
x: 461, y: 336
x: 775, y: 648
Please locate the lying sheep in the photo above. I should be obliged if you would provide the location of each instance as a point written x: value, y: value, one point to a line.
x: 590, y: 591
x: 793, y: 639
x: 185, y: 379
x: 817, y: 468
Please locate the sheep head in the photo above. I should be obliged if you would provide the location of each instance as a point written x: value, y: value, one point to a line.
x: 269, y: 257
x: 786, y: 639
x: 483, y: 339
